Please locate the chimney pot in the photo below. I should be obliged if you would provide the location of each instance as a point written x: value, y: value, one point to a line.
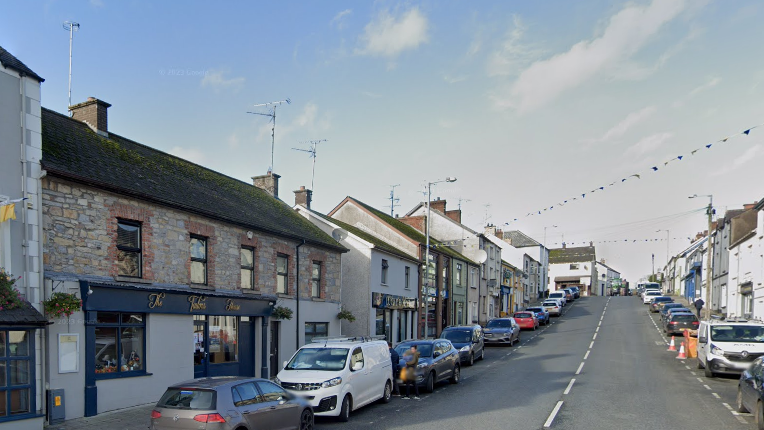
x: 92, y: 112
x: 303, y: 197
x: 268, y: 183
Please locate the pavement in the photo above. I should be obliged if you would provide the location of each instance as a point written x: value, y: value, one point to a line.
x: 604, y: 364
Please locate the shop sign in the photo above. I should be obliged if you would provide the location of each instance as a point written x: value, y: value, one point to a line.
x: 197, y: 303
x: 231, y: 306
x: 155, y: 300
x: 389, y: 301
x: 746, y: 288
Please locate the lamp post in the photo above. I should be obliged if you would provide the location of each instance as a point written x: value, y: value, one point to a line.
x: 427, y: 255
x: 668, y: 256
x: 546, y: 261
x: 709, y: 212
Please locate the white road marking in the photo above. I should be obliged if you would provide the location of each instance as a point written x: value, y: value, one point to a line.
x: 556, y: 409
x: 597, y: 331
x: 693, y: 373
x: 595, y: 336
x: 581, y: 366
x: 727, y: 406
x: 570, y: 385
x: 716, y: 395
x: 742, y: 420
x: 591, y: 345
x: 700, y: 379
x: 688, y: 367
x: 707, y: 387
x: 586, y: 355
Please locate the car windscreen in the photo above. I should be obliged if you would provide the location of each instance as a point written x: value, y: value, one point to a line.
x: 319, y: 359
x: 425, y: 349
x: 457, y: 336
x: 523, y: 315
x: 188, y: 398
x: 559, y: 295
x: 550, y: 303
x: 675, y: 310
x: 499, y: 324
x: 668, y: 306
x: 537, y: 310
x: 663, y: 299
x: 739, y: 333
x: 683, y: 318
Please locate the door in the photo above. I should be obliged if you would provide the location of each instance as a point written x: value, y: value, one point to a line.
x: 246, y: 347
x: 282, y: 412
x: 360, y: 377
x: 274, y: 354
x: 442, y: 362
x: 252, y: 406
x: 702, y: 332
x: 201, y: 347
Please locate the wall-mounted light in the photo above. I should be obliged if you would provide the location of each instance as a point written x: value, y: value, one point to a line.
x: 250, y: 234
x: 90, y: 291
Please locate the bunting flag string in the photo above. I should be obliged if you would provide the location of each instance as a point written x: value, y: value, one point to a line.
x: 9, y: 202
x: 652, y: 169
x: 619, y: 241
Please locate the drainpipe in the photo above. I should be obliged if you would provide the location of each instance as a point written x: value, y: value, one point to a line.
x: 297, y: 297
x: 24, y: 221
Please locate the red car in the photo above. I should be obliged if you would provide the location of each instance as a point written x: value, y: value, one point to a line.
x: 526, y: 320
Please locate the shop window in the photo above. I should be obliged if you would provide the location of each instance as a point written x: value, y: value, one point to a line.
x: 16, y: 373
x: 384, y: 271
x: 282, y: 273
x: 247, y: 268
x: 120, y: 344
x: 129, y: 249
x: 223, y: 339
x: 198, y: 260
x: 314, y: 329
x: 315, y: 280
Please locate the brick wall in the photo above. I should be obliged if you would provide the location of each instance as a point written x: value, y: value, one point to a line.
x: 418, y: 222
x: 80, y: 231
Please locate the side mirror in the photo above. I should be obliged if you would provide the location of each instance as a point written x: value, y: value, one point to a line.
x: 284, y: 364
x: 702, y: 339
x: 435, y: 354
x: 357, y: 366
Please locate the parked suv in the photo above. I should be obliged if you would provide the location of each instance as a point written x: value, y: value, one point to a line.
x: 502, y: 331
x: 468, y: 340
x: 438, y: 361
x: 541, y: 314
x: 729, y: 346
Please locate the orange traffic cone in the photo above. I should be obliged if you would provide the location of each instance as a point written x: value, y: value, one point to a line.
x: 672, y: 347
x: 681, y: 355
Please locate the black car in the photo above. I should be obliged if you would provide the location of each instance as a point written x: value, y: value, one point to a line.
x: 468, y: 340
x: 668, y: 306
x: 750, y: 391
x: 438, y: 361
x: 680, y: 321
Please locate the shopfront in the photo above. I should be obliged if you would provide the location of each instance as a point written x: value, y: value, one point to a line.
x: 394, y: 316
x: 150, y: 337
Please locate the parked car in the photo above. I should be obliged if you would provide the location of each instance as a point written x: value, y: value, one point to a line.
x: 438, y: 361
x: 230, y: 402
x: 678, y: 322
x: 568, y: 294
x: 656, y: 302
x: 750, y: 391
x: 667, y: 306
x: 729, y: 346
x: 672, y: 311
x: 502, y: 331
x: 526, y: 320
x: 542, y: 315
x: 649, y: 295
x: 559, y: 295
x: 552, y: 306
x: 468, y: 340
x: 338, y: 376
x: 576, y: 292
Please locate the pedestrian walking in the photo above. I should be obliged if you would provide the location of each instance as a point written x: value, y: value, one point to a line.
x: 699, y: 305
x: 412, y: 360
x: 395, y: 359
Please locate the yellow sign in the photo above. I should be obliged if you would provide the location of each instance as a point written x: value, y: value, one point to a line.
x: 197, y: 303
x: 231, y: 306
x: 57, y: 400
x: 155, y: 300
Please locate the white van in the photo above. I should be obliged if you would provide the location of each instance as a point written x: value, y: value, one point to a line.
x: 560, y: 295
x: 337, y: 376
x: 729, y: 346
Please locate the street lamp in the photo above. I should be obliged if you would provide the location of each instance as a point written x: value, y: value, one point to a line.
x: 709, y: 212
x: 668, y: 256
x: 546, y: 263
x: 427, y: 255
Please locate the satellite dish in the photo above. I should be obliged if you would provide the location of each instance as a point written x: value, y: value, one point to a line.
x: 339, y: 234
x: 482, y: 256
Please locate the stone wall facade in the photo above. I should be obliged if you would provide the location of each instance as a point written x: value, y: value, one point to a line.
x: 80, y: 232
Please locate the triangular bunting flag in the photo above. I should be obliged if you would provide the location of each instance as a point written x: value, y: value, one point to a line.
x: 747, y: 131
x: 680, y: 157
x: 655, y: 169
x: 709, y: 145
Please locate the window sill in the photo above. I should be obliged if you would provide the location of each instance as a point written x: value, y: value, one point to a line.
x: 284, y: 296
x: 133, y: 280
x: 120, y: 375
x: 318, y: 299
x: 201, y: 287
x: 383, y: 284
x: 251, y: 292
x: 21, y: 417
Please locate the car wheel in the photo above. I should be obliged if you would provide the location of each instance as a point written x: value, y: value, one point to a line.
x: 344, y: 410
x: 708, y: 372
x: 430, y: 383
x: 456, y: 376
x: 388, y: 394
x: 472, y: 359
x: 700, y: 364
x: 760, y: 415
x: 306, y: 420
x: 482, y: 353
x: 739, y: 401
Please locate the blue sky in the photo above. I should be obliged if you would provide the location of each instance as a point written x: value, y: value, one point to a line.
x: 527, y: 103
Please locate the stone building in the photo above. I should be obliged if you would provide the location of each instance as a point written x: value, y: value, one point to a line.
x: 179, y: 268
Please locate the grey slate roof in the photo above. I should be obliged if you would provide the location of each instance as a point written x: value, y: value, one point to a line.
x: 519, y: 239
x: 572, y: 255
x: 10, y: 62
x: 25, y: 315
x: 73, y: 151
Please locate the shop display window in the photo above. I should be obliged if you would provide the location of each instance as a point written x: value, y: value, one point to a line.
x: 120, y: 343
x: 16, y: 373
x: 223, y: 339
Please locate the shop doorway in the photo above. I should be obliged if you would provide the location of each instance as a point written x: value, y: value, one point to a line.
x: 275, y: 365
x: 201, y: 347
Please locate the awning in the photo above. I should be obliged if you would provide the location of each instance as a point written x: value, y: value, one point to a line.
x: 25, y: 315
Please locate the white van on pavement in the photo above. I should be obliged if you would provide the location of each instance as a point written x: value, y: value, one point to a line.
x: 560, y: 295
x: 337, y: 376
x: 729, y: 346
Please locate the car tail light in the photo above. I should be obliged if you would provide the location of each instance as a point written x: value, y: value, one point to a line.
x: 695, y: 323
x: 209, y: 418
x: 156, y: 414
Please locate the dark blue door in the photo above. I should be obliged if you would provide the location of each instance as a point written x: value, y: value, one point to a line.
x: 246, y: 350
x: 201, y: 349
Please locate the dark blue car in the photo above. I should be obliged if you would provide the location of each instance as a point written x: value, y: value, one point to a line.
x: 541, y: 314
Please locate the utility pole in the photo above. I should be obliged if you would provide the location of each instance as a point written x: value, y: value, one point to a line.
x: 709, y: 247
x: 393, y: 200
x: 272, y: 115
x: 312, y: 152
x: 427, y: 264
x: 71, y: 27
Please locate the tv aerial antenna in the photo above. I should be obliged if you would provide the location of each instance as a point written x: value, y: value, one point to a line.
x: 271, y: 106
x: 312, y: 152
x: 487, y: 213
x: 462, y: 200
x: 393, y: 200
x: 71, y: 27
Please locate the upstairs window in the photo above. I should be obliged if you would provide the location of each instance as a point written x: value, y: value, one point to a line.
x: 198, y: 260
x: 458, y: 274
x: 129, y: 249
x: 407, y: 277
x: 315, y: 280
x: 282, y: 273
x: 247, y: 268
x: 384, y: 271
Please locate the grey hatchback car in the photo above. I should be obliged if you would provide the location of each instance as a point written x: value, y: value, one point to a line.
x: 230, y: 403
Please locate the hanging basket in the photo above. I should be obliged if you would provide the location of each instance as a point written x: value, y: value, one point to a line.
x: 62, y: 304
x: 281, y: 313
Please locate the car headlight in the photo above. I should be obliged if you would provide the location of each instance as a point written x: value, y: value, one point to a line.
x: 716, y: 350
x: 277, y: 380
x: 421, y: 365
x: 464, y: 348
x: 332, y: 382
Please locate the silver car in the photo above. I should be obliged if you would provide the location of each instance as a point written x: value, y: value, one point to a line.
x: 228, y: 403
x: 502, y: 331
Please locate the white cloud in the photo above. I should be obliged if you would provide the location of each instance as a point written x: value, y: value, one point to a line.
x: 648, y: 144
x: 625, y: 124
x: 626, y: 33
x: 191, y: 154
x: 513, y: 53
x: 708, y: 85
x: 216, y: 81
x: 748, y: 155
x: 454, y: 79
x: 340, y: 18
x: 388, y: 35
x: 371, y: 94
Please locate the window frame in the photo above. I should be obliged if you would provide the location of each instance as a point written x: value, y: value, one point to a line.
x: 119, y: 325
x: 315, y: 282
x: 251, y: 269
x: 315, y: 330
x: 407, y: 278
x: 284, y: 274
x: 138, y: 250
x: 200, y: 260
x: 458, y: 274
x: 31, y: 385
x: 385, y: 266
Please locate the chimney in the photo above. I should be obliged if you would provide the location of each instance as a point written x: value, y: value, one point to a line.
x: 438, y: 205
x: 303, y: 197
x: 93, y: 113
x: 268, y: 183
x: 749, y: 206
x: 455, y: 215
x: 563, y: 245
x: 602, y: 260
x: 591, y: 243
x: 490, y: 229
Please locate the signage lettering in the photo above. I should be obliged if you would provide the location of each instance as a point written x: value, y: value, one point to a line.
x: 388, y: 301
x: 155, y: 300
x: 231, y: 306
x: 197, y: 303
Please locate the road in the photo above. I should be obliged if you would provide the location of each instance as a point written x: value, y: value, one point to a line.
x: 602, y: 365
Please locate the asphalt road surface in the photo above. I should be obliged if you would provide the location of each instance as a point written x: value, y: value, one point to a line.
x: 602, y: 365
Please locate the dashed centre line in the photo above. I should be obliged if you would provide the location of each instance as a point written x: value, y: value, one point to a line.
x: 570, y: 385
x: 581, y: 366
x: 550, y: 420
x: 586, y: 355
